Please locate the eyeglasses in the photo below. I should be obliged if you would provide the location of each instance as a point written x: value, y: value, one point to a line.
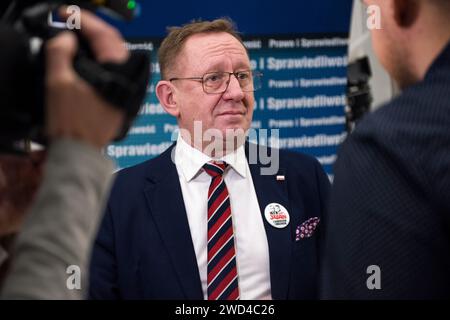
x: 217, y: 82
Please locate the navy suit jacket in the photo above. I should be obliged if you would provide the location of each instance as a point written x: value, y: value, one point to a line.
x: 390, y: 203
x: 144, y: 248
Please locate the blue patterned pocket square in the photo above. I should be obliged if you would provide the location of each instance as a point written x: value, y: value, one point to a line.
x: 306, y: 229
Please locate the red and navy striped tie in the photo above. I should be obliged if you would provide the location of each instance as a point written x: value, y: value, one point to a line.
x: 222, y: 271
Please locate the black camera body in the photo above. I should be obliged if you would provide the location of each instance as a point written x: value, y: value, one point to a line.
x: 359, y: 96
x: 24, y: 29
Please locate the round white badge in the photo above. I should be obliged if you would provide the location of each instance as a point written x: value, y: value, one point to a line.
x: 276, y: 215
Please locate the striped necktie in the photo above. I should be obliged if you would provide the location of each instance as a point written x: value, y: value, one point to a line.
x: 222, y: 272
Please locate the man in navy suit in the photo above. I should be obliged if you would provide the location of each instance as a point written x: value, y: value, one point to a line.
x: 389, y: 226
x: 168, y: 233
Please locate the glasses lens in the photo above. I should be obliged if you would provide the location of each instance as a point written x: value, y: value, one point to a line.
x: 215, y: 82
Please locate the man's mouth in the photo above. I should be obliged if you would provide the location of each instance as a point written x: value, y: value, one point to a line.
x: 232, y: 113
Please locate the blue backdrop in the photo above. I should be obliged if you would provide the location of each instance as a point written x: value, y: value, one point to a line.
x: 300, y: 46
x: 261, y: 17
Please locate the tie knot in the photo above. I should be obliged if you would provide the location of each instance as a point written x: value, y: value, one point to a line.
x: 215, y: 168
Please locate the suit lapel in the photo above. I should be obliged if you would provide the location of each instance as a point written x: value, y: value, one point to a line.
x: 165, y: 200
x: 269, y: 190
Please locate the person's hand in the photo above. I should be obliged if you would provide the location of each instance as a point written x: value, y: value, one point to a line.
x: 74, y: 109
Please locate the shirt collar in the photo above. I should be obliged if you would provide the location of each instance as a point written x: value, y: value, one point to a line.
x: 190, y: 160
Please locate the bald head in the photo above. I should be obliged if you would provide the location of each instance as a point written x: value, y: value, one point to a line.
x: 413, y: 34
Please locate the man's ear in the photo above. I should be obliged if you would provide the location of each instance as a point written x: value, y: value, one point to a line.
x: 166, y: 96
x: 406, y: 12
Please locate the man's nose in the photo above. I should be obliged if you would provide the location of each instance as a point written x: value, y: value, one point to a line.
x: 234, y: 90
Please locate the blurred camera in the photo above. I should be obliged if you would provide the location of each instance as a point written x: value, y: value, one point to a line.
x: 359, y: 97
x: 25, y: 26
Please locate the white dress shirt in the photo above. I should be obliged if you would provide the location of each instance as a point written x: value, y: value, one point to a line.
x: 252, y: 250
